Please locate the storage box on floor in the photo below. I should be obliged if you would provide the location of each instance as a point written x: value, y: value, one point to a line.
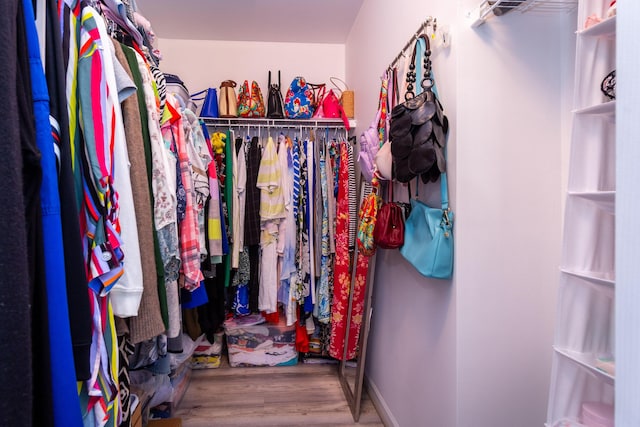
x: 207, y: 355
x: 252, y: 342
x: 136, y: 411
x: 167, y: 422
x: 179, y: 379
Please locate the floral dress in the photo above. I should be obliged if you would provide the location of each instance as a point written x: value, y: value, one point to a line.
x: 342, y: 271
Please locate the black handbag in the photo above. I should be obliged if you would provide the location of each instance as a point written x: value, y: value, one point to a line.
x: 418, y: 127
x: 274, y: 101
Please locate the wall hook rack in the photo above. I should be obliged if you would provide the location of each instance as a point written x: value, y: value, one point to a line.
x: 436, y: 32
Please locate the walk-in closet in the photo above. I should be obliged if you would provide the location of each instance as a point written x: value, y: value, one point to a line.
x: 287, y: 213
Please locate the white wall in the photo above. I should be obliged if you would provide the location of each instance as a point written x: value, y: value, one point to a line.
x: 206, y: 63
x: 476, y: 352
x: 509, y: 215
x: 411, y: 354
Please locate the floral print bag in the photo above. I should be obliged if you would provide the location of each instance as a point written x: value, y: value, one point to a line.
x: 299, y: 101
x: 250, y: 102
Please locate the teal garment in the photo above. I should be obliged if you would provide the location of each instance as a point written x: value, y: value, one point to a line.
x: 322, y: 309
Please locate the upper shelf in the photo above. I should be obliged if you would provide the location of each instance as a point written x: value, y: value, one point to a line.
x: 605, y: 109
x: 488, y: 8
x: 606, y: 28
x: 606, y: 200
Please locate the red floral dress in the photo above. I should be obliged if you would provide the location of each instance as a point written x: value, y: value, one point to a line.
x: 342, y: 273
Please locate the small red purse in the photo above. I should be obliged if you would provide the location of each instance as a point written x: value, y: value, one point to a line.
x: 389, y: 231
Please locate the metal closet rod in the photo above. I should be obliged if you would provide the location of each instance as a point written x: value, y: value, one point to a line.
x: 274, y: 123
x: 425, y: 24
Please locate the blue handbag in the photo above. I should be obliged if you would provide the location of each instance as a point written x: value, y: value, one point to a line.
x: 428, y: 236
x: 210, y: 106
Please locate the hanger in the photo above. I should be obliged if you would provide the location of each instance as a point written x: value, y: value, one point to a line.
x: 94, y: 4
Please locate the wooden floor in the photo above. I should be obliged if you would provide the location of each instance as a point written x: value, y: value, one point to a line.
x: 302, y: 395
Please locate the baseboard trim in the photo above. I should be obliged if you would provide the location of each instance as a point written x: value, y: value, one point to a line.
x: 381, y: 406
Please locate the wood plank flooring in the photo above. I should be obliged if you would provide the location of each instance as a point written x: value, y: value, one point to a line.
x: 304, y: 394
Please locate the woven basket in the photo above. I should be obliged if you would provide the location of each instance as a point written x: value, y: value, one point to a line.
x: 348, y: 103
x: 346, y: 96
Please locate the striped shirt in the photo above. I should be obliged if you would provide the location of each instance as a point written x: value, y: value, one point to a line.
x: 353, y: 208
x: 98, y: 122
x: 296, y: 177
x: 92, y: 102
x: 161, y: 84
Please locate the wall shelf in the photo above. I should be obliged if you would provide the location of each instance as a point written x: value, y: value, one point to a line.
x: 605, y: 108
x: 489, y: 8
x: 586, y: 360
x: 606, y: 200
x: 606, y: 28
x: 565, y: 422
x: 591, y: 277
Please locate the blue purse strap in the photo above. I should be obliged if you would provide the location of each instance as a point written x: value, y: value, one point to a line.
x: 444, y: 191
x: 195, y: 96
x: 420, y: 48
x: 444, y: 188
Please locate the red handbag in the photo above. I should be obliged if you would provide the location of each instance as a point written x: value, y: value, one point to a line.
x: 389, y: 231
x: 329, y: 107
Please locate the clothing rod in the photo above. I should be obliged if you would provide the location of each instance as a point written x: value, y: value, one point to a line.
x: 413, y: 38
x: 275, y: 123
x: 240, y: 125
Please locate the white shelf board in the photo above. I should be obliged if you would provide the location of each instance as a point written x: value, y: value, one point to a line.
x: 605, y: 108
x: 605, y: 28
x: 591, y: 277
x: 606, y: 200
x: 586, y: 360
x: 564, y: 423
x: 484, y: 11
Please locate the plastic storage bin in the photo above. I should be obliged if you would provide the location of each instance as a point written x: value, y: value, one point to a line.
x: 260, y: 344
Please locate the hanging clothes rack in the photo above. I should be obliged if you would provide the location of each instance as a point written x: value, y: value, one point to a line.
x: 277, y: 123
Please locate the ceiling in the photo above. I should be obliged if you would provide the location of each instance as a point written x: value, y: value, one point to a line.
x: 301, y: 21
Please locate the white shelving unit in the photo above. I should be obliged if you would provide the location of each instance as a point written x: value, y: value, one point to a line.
x: 488, y: 8
x: 585, y: 321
